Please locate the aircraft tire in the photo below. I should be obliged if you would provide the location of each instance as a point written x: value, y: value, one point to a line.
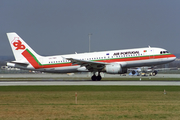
x: 94, y: 78
x: 98, y: 78
x: 133, y: 72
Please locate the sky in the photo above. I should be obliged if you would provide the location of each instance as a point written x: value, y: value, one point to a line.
x: 55, y: 27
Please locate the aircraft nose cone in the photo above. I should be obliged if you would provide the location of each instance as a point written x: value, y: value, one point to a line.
x: 174, y: 58
x: 171, y: 58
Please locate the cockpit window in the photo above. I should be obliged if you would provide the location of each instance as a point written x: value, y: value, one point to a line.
x: 164, y: 52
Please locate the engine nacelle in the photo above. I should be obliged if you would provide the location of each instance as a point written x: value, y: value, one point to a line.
x: 115, y: 69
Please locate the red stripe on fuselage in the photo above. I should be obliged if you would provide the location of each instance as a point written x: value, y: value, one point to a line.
x: 164, y: 56
x: 57, y: 65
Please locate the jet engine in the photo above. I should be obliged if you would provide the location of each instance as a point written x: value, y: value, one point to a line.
x: 115, y: 69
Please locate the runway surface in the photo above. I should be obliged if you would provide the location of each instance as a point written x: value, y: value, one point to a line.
x: 79, y: 79
x: 96, y: 83
x: 80, y: 75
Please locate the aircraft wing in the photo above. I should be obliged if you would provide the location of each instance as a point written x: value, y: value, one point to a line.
x: 90, y: 65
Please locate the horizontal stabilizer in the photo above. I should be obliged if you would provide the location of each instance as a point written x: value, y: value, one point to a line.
x: 20, y: 62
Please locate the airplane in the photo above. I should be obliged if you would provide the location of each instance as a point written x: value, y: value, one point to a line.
x: 111, y: 62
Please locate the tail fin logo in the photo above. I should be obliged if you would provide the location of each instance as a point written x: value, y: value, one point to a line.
x: 18, y: 44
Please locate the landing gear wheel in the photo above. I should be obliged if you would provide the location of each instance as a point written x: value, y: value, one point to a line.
x: 93, y: 78
x: 154, y: 73
x: 133, y: 72
x: 98, y: 78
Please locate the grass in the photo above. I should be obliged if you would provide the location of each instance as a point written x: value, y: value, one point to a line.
x: 87, y: 88
x: 94, y: 102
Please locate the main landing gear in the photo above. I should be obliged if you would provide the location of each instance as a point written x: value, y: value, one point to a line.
x: 96, y: 78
